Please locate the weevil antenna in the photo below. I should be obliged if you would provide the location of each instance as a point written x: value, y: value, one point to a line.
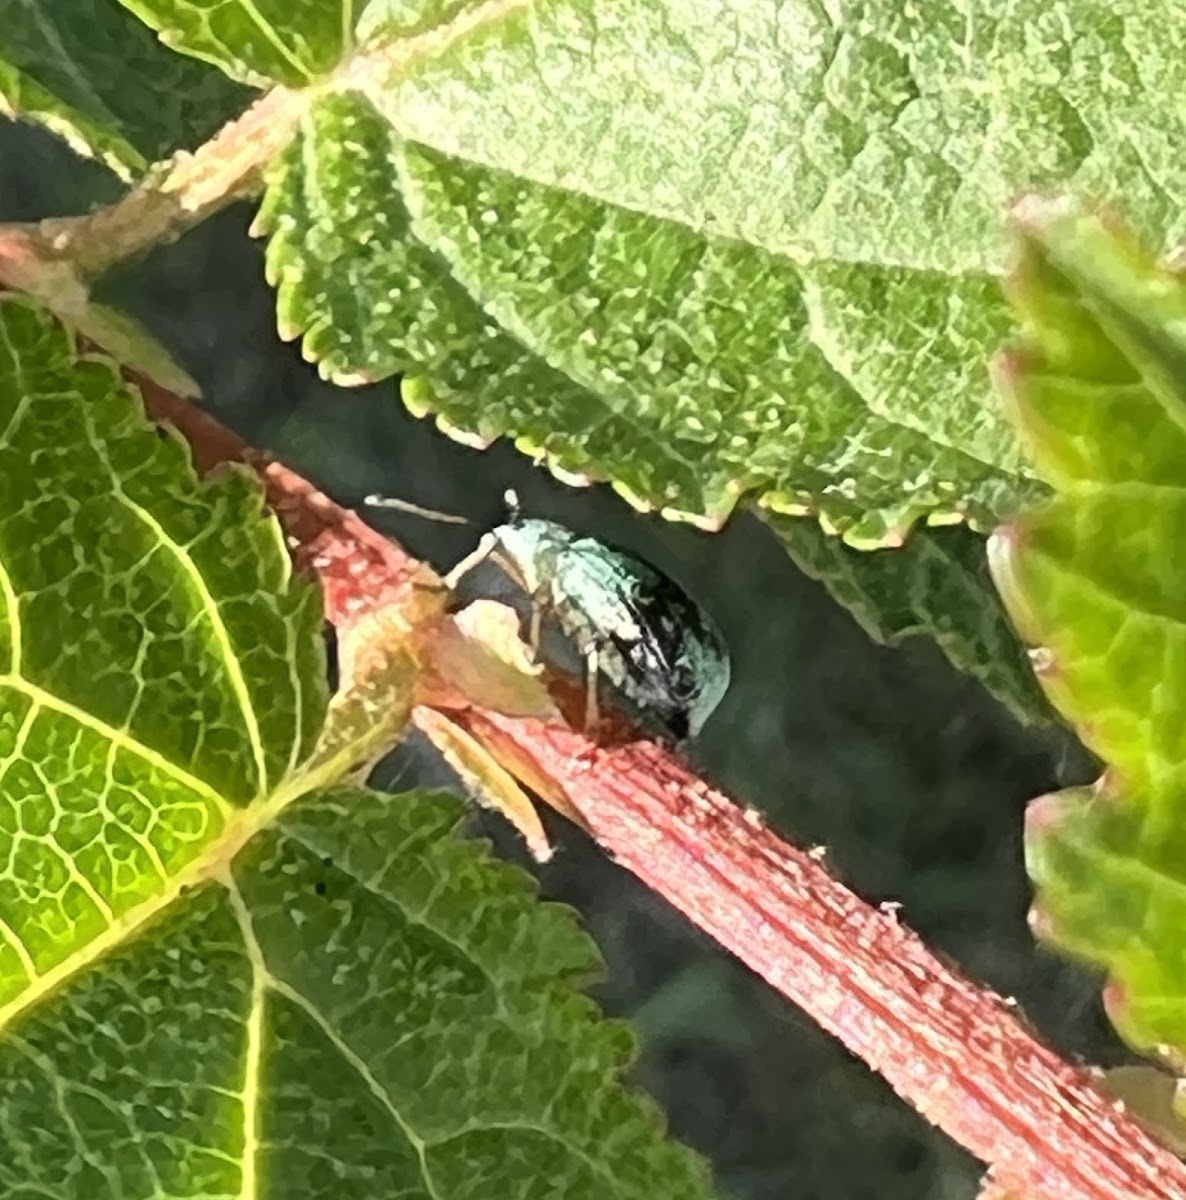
x: 375, y: 500
x: 486, y: 548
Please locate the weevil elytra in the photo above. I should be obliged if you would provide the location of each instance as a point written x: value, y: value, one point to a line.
x: 629, y: 621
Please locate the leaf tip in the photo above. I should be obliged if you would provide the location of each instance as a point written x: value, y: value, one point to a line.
x: 465, y: 437
x: 287, y: 330
x: 1044, y: 813
x: 1002, y: 550
x: 353, y: 379
x: 1040, y: 924
x: 1033, y: 210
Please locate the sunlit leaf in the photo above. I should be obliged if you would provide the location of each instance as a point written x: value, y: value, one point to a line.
x: 1091, y: 580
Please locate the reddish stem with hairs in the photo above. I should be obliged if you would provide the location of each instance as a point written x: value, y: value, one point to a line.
x: 956, y: 1052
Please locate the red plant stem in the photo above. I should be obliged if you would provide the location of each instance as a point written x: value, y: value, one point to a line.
x: 956, y: 1052
x: 361, y: 571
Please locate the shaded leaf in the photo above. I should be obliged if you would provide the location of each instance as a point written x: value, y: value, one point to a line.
x: 280, y: 41
x: 367, y: 1006
x: 937, y: 584
x: 91, y: 72
x: 614, y: 344
x: 706, y: 251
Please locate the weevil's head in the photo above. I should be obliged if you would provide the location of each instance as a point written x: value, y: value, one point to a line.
x: 527, y: 549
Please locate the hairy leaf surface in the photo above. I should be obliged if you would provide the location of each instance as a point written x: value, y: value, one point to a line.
x: 707, y: 252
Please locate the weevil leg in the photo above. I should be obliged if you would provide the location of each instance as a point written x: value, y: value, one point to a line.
x: 592, y: 708
x: 533, y: 631
x: 478, y: 555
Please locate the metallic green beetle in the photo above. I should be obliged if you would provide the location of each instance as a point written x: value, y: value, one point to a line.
x: 629, y: 621
x: 632, y: 623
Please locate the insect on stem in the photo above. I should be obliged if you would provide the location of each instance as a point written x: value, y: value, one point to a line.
x: 627, y: 620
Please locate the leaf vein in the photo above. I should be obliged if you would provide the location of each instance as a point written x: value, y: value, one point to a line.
x: 210, y: 609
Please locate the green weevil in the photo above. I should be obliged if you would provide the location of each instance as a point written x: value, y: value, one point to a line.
x: 630, y: 622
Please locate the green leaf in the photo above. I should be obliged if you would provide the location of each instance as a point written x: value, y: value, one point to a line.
x: 366, y: 1006
x: 92, y: 73
x: 159, y: 666
x: 709, y: 251
x: 218, y: 975
x: 386, y: 20
x: 292, y: 42
x: 937, y: 585
x: 612, y: 343
x: 1090, y: 578
x: 883, y: 136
